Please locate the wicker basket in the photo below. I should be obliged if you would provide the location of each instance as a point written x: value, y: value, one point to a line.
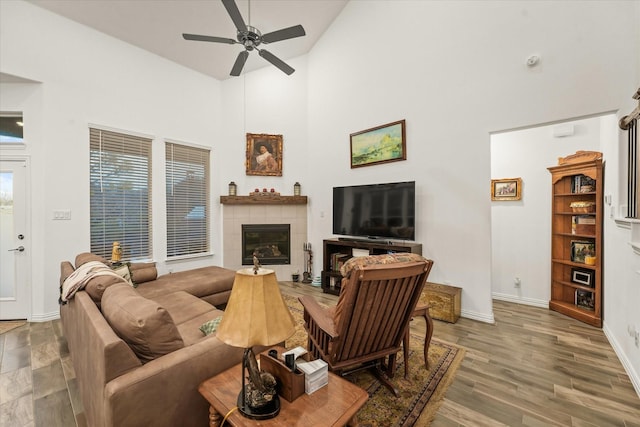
x: 583, y: 207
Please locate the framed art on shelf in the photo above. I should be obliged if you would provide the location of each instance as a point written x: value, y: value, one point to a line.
x: 264, y: 154
x: 506, y: 189
x: 580, y: 250
x: 381, y: 144
x: 583, y: 277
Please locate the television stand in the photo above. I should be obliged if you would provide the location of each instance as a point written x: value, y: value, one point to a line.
x: 336, y: 252
x: 365, y: 240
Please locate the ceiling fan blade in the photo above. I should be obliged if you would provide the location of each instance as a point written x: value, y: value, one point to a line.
x: 234, y: 13
x: 284, y: 34
x: 239, y: 64
x: 276, y: 61
x: 200, y: 38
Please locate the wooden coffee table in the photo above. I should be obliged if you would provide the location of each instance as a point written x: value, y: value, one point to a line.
x: 335, y: 404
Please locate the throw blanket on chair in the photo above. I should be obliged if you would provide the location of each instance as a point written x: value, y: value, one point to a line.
x: 83, y: 274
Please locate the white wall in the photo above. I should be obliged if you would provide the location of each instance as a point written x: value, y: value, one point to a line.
x: 87, y: 77
x: 521, y: 230
x: 456, y: 72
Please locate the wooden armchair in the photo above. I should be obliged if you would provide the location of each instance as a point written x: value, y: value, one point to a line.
x: 372, y: 315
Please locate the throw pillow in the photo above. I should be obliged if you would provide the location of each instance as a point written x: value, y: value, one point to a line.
x: 211, y: 326
x: 142, y: 272
x: 143, y: 324
x: 124, y: 272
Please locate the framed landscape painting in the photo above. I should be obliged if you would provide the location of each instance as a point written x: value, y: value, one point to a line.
x: 381, y: 144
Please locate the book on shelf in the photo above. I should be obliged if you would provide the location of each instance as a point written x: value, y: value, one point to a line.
x: 582, y: 184
x: 585, y: 299
x: 338, y: 259
x: 359, y: 252
x: 583, y: 224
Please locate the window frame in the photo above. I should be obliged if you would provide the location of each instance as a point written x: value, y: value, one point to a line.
x: 196, y: 200
x: 124, y: 215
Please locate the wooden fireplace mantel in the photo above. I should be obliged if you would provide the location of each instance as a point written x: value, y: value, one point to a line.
x: 263, y: 200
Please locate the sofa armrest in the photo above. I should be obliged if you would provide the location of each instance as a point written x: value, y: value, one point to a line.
x: 164, y: 392
x: 98, y: 354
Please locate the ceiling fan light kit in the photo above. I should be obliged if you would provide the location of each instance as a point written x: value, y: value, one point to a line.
x: 250, y: 38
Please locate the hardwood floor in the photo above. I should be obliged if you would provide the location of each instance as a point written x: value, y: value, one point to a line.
x: 534, y: 367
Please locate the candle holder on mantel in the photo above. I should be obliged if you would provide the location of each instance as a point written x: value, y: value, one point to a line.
x: 296, y: 189
x: 233, y: 188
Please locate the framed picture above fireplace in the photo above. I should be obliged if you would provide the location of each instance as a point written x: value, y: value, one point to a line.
x: 264, y: 154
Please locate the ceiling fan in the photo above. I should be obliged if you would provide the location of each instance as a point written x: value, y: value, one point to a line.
x: 250, y: 37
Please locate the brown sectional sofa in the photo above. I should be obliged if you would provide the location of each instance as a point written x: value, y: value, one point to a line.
x: 138, y: 353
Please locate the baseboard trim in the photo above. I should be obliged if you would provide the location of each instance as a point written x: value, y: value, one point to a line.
x: 626, y: 363
x: 45, y: 317
x: 481, y: 317
x: 520, y: 300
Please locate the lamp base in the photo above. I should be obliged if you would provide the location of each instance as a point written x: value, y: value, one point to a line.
x: 268, y: 411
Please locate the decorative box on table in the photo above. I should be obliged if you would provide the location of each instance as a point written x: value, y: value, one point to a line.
x: 444, y: 301
x: 290, y: 383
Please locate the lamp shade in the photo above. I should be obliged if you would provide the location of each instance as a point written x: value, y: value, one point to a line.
x: 256, y: 313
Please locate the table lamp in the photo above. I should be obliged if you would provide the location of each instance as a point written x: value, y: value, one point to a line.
x: 256, y: 314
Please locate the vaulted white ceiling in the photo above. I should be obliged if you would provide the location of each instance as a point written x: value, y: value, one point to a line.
x: 157, y: 26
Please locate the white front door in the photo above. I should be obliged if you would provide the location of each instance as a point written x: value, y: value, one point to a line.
x: 15, y: 287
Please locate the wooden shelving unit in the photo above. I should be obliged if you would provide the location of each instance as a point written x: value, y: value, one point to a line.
x: 335, y: 251
x: 576, y: 285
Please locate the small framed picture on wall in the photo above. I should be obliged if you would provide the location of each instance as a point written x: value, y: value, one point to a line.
x: 506, y: 189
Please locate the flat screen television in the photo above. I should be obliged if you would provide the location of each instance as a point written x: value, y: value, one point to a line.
x: 386, y: 211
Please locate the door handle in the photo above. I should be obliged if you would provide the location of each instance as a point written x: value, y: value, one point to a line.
x: 19, y: 249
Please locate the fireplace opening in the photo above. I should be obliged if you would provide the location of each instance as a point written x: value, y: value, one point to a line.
x: 270, y: 242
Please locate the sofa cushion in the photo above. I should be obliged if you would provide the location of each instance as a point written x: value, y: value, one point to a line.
x: 182, y: 306
x: 142, y: 272
x: 201, y: 281
x: 97, y: 285
x: 85, y: 257
x: 143, y: 324
x: 191, y: 332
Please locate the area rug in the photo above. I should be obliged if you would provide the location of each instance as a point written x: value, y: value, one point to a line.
x: 421, y: 393
x: 8, y: 325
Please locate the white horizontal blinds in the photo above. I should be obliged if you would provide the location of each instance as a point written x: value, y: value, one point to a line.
x: 187, y: 200
x: 120, y: 181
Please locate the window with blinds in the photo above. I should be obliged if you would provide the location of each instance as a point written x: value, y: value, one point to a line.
x: 187, y: 200
x: 120, y: 199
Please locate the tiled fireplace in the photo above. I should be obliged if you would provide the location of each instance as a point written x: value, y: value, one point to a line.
x: 243, y: 210
x: 271, y: 243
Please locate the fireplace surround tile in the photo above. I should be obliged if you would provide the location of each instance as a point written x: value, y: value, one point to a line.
x: 233, y: 216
